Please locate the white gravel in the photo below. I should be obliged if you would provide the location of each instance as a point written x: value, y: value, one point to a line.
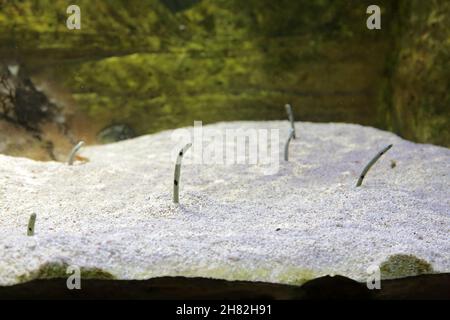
x: 115, y: 212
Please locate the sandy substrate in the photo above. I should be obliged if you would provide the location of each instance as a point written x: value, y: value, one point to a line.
x: 115, y: 214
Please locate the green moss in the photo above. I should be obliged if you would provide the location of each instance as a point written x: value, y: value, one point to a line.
x: 106, y: 26
x: 296, y: 276
x: 291, y: 275
x: 58, y: 270
x: 233, y: 60
x: 403, y: 265
x: 137, y: 62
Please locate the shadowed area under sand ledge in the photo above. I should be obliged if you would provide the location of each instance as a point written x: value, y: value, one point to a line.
x: 435, y: 286
x: 113, y: 216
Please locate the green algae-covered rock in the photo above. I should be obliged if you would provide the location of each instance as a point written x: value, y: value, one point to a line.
x: 159, y: 64
x: 156, y: 66
x: 60, y: 270
x: 404, y: 265
x: 417, y: 98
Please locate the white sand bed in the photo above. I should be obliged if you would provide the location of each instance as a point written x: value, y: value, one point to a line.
x: 115, y: 212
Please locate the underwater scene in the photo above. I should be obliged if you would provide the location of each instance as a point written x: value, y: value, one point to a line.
x: 225, y: 149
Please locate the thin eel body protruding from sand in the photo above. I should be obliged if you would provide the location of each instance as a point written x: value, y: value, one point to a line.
x: 74, y: 152
x: 371, y: 163
x: 31, y: 222
x: 291, y: 117
x: 176, y: 180
x: 286, y: 146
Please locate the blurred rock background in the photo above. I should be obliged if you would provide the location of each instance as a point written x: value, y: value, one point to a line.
x: 138, y: 67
